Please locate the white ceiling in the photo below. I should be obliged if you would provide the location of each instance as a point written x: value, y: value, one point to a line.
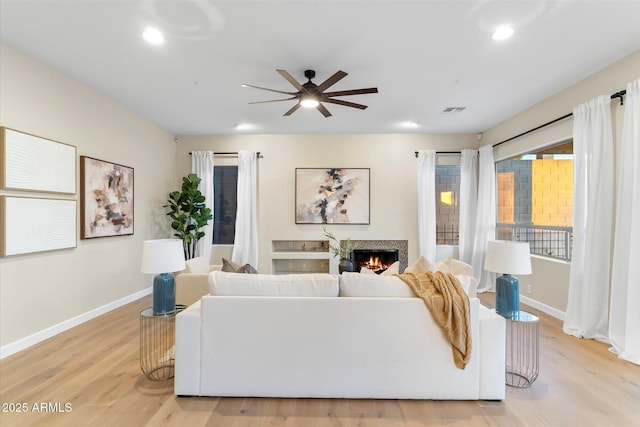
x: 423, y: 56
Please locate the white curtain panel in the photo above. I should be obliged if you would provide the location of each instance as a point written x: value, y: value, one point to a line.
x: 427, y: 204
x: 485, y: 226
x: 202, y: 165
x: 593, y: 190
x: 245, y: 245
x: 468, y: 203
x: 624, y: 316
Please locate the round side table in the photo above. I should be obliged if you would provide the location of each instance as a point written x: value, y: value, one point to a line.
x: 157, y: 344
x: 522, y: 356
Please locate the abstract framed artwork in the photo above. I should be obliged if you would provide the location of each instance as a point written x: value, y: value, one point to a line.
x: 332, y: 195
x: 37, y: 225
x: 106, y: 199
x: 32, y: 163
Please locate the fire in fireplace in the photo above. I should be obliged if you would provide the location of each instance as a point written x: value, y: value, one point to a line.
x: 376, y: 260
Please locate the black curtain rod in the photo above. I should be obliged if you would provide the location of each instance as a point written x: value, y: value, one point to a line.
x: 444, y: 152
x: 614, y: 96
x: 231, y: 153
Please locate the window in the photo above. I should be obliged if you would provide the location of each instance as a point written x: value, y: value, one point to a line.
x: 535, y: 200
x: 447, y: 206
x: 225, y: 184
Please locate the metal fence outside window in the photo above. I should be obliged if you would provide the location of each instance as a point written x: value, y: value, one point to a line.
x: 550, y: 241
x: 447, y: 234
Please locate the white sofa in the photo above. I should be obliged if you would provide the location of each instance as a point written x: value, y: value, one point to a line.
x: 295, y: 336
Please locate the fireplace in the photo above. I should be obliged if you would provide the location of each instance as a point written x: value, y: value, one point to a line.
x: 376, y: 260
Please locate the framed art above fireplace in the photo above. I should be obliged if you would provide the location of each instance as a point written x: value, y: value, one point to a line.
x: 332, y: 196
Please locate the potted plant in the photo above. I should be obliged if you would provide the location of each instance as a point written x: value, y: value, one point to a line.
x: 341, y: 249
x: 188, y: 214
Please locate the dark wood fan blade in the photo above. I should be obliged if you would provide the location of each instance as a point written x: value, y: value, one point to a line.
x: 274, y: 100
x: 290, y: 79
x: 345, y: 103
x: 270, y: 90
x: 352, y: 92
x: 339, y: 75
x: 323, y: 110
x: 292, y: 110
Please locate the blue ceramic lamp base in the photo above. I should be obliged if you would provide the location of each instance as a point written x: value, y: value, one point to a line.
x: 507, y: 296
x: 164, y: 294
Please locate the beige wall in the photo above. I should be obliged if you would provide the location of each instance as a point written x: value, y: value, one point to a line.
x: 393, y: 180
x: 550, y: 279
x: 40, y: 291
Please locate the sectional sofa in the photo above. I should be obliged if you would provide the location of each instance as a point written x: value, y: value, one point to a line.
x: 329, y: 336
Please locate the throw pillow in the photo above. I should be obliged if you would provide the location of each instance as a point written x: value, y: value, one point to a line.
x: 232, y: 267
x: 442, y: 266
x: 365, y: 270
x: 393, y: 269
x: 422, y: 265
x: 390, y: 271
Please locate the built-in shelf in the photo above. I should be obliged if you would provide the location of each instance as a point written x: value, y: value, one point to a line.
x: 300, y: 245
x: 300, y: 256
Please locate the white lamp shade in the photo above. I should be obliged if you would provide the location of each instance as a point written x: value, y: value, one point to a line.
x: 508, y: 257
x: 162, y: 256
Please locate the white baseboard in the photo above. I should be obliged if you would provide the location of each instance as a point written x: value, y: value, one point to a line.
x: 23, y: 343
x: 553, y: 312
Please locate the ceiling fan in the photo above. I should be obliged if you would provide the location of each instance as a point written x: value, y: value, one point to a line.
x: 311, y: 95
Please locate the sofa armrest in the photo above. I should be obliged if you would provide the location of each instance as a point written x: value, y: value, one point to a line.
x: 492, y: 342
x: 187, y: 361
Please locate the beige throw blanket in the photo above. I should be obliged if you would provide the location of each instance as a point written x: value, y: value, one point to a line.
x: 449, y: 307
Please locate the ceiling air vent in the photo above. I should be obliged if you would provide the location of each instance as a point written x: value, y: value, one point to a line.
x: 453, y: 110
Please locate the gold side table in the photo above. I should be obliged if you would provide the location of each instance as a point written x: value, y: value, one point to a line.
x: 157, y: 344
x: 522, y: 349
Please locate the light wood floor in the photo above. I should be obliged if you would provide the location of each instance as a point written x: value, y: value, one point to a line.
x: 93, y: 369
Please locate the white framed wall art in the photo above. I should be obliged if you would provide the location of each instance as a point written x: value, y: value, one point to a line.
x: 32, y: 163
x: 32, y: 225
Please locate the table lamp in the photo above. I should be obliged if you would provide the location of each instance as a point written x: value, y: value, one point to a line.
x: 508, y: 258
x: 162, y: 257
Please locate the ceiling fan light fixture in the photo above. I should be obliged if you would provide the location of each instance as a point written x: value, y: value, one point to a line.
x: 311, y: 95
x: 309, y: 101
x: 502, y: 33
x: 153, y: 36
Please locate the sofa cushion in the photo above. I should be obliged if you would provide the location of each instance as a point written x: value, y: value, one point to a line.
x: 373, y: 285
x: 300, y: 285
x: 198, y: 265
x: 232, y: 267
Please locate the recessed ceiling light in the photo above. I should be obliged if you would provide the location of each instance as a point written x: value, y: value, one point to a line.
x: 153, y: 36
x: 409, y: 125
x: 502, y: 33
x: 244, y: 126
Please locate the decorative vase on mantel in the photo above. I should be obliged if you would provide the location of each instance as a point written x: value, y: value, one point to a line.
x: 345, y: 265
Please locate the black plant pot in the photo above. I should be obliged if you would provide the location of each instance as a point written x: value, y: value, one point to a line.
x: 345, y: 265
